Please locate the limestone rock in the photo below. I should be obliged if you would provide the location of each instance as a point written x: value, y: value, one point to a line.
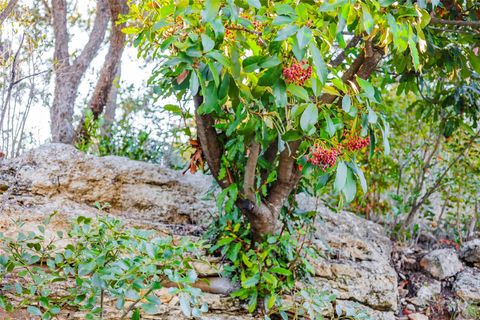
x: 57, y: 177
x: 467, y: 285
x: 471, y: 251
x: 442, y: 263
x: 427, y: 293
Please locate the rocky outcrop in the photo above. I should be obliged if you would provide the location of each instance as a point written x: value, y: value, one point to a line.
x: 59, y: 178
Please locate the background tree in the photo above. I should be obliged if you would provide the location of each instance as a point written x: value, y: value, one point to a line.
x: 69, y: 73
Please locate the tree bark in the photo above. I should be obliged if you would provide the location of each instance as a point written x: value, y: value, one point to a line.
x: 110, y: 67
x: 111, y: 106
x: 69, y: 75
x: 7, y: 11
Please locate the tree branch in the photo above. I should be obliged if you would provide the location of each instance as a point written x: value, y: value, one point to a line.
x: 460, y: 23
x: 342, y: 55
x: 61, y: 56
x: 7, y: 11
x: 250, y: 171
x: 208, y: 137
x: 95, y: 39
x: 287, y: 177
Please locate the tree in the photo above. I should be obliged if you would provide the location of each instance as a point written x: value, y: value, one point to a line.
x: 277, y: 107
x: 68, y: 74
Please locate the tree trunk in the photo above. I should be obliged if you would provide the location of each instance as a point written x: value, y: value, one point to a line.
x: 111, y: 106
x: 110, y: 67
x: 7, y: 11
x: 68, y: 75
x: 63, y: 107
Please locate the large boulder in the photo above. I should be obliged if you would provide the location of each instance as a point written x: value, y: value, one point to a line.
x: 57, y: 177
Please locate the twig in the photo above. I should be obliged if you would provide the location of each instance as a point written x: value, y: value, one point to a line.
x: 460, y: 23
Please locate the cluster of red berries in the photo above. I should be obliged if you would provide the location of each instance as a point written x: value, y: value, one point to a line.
x: 323, y: 158
x: 297, y: 72
x: 356, y: 143
x: 229, y: 34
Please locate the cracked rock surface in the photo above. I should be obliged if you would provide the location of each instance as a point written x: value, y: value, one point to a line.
x: 57, y: 177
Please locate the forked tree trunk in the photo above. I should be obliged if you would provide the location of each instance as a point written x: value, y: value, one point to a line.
x: 264, y: 216
x: 69, y: 74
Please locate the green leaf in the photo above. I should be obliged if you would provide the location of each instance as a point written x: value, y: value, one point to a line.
x: 474, y: 61
x: 150, y: 308
x: 350, y: 188
x: 367, y: 88
x: 330, y: 126
x: 218, y: 56
x: 346, y: 103
x: 251, y: 282
x: 136, y: 314
x: 414, y: 53
x: 194, y: 83
x: 233, y: 252
x: 207, y: 43
x: 360, y: 176
x: 298, y: 91
x: 280, y: 270
x: 291, y: 135
x: 286, y: 32
x: 34, y: 310
x: 340, y: 177
x: 211, y: 10
x: 304, y: 36
x: 86, y: 268
x: 320, y: 66
x: 252, y: 302
x: 173, y: 109
x: 269, y: 278
x: 185, y: 304
x: 367, y: 19
x: 280, y: 94
x: 255, y: 3
x: 309, y: 119
x: 270, y: 77
x: 372, y: 116
x: 269, y: 62
x: 213, y: 70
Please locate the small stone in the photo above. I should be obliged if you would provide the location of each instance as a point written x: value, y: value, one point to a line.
x: 427, y: 292
x: 417, y: 316
x: 467, y: 285
x: 441, y: 263
x: 410, y: 307
x: 471, y: 251
x: 3, y: 187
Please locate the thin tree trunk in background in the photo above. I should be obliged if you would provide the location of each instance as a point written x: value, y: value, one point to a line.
x: 473, y: 222
x: 111, y: 106
x: 110, y: 67
x: 7, y: 11
x: 69, y: 75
